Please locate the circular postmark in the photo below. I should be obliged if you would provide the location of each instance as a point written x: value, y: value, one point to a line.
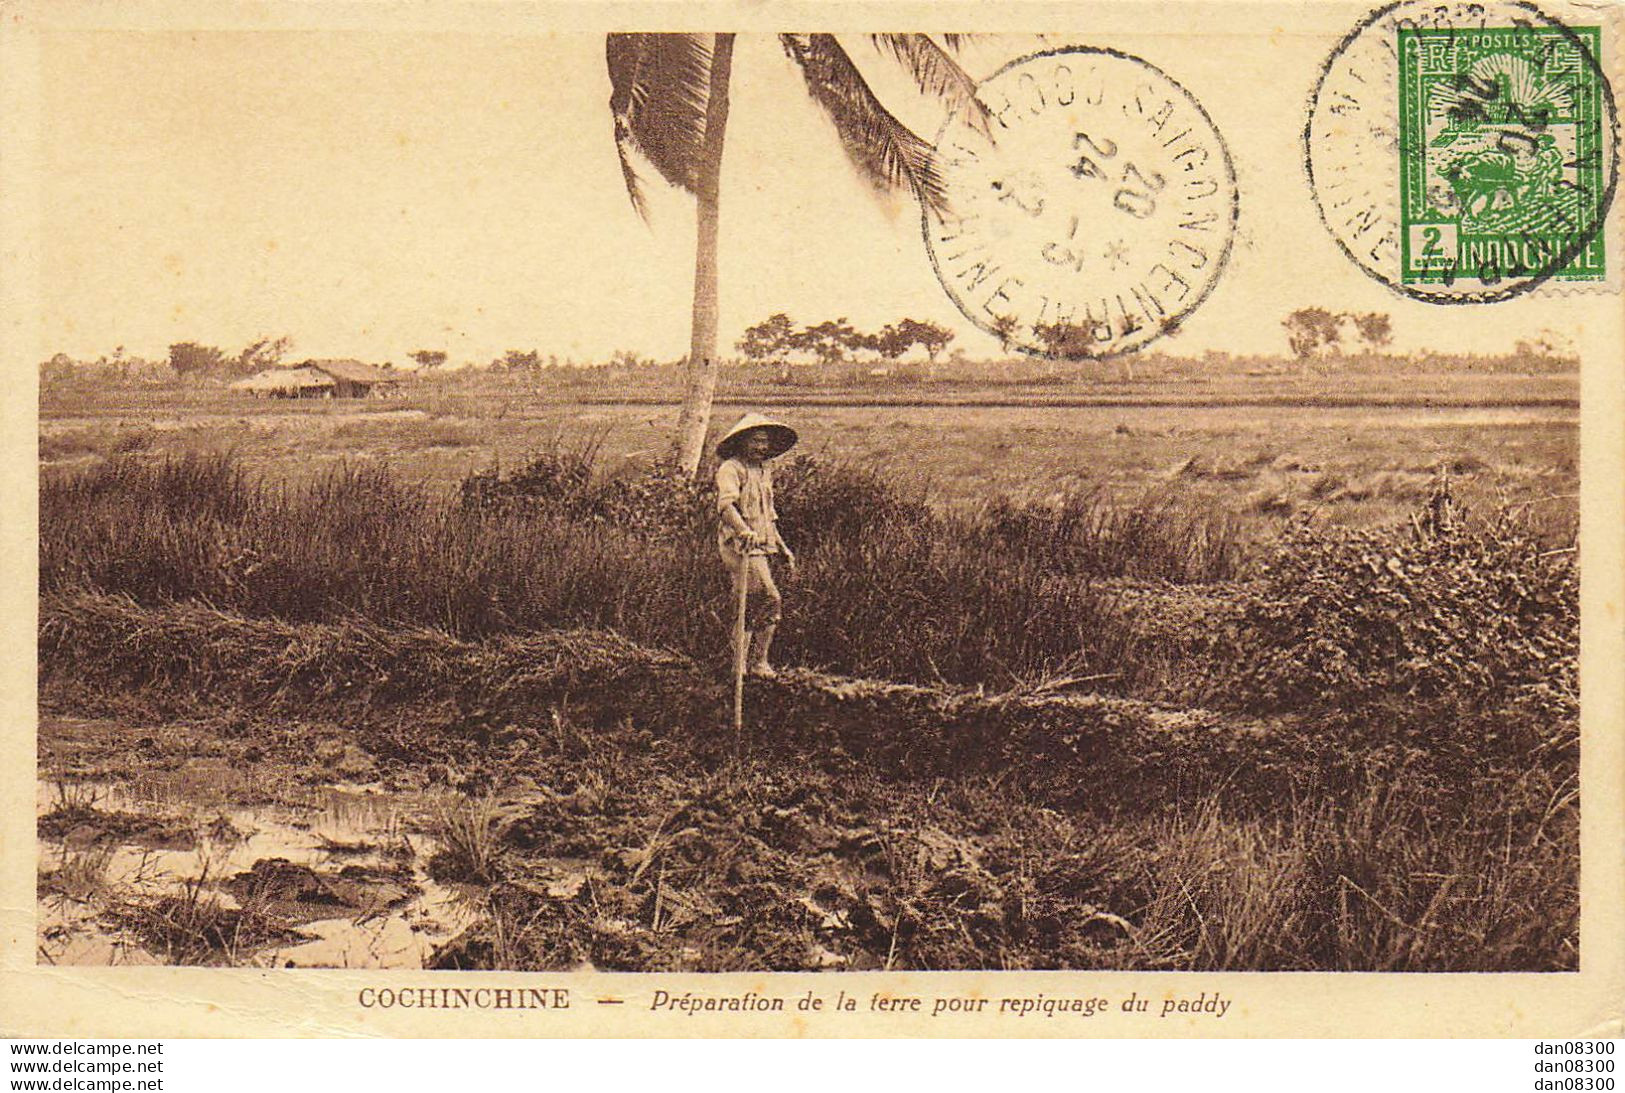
x: 1095, y: 212
x: 1465, y: 152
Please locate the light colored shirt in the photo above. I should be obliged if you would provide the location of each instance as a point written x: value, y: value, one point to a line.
x: 751, y: 488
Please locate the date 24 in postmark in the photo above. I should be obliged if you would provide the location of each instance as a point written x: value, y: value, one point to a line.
x: 1095, y: 216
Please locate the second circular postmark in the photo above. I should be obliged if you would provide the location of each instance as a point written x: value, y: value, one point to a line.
x: 1095, y: 212
x: 1465, y: 151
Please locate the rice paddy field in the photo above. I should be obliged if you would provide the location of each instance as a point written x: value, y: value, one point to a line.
x: 1269, y: 672
x: 1356, y: 450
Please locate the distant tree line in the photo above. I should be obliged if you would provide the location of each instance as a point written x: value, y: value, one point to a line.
x: 184, y: 360
x: 778, y: 337
x: 193, y: 359
x: 1315, y: 330
x: 522, y: 360
x: 1312, y: 333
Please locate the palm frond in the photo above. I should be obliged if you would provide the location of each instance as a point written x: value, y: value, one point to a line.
x: 936, y: 74
x: 885, y: 151
x: 659, y: 86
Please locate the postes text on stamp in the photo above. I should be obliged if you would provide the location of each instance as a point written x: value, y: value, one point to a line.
x: 1095, y: 214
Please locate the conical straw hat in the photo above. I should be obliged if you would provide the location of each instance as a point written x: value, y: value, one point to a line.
x: 783, y: 437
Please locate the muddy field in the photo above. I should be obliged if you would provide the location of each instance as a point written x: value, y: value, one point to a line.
x: 225, y: 783
x: 199, y: 860
x: 570, y: 802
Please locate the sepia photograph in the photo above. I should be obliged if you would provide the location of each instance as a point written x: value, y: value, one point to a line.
x: 538, y: 496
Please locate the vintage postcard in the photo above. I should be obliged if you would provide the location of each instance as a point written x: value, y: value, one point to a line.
x: 847, y: 519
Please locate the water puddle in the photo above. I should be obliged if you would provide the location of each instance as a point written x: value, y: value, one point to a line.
x: 156, y: 872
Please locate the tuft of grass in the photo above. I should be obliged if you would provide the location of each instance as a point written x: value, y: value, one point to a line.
x: 193, y: 925
x: 73, y: 804
x: 1381, y: 879
x: 469, y: 831
x: 75, y: 798
x: 82, y: 874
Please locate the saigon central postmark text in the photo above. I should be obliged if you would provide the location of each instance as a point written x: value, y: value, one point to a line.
x: 1093, y: 216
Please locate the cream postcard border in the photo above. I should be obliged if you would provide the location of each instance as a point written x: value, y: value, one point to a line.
x: 181, y: 1002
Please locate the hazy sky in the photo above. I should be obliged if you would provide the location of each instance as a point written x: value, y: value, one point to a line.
x: 372, y: 193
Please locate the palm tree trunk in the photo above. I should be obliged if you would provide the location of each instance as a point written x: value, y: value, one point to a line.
x: 701, y: 381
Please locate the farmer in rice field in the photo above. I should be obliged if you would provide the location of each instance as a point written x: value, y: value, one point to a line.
x: 748, y: 532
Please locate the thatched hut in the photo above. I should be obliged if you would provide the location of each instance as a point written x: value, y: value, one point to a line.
x: 353, y: 379
x: 298, y: 382
x: 319, y: 379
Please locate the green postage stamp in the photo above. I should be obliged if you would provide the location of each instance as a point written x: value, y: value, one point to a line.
x: 1502, y: 168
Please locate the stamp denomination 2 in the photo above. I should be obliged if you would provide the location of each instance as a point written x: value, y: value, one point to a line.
x: 1095, y: 214
x: 1465, y: 153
